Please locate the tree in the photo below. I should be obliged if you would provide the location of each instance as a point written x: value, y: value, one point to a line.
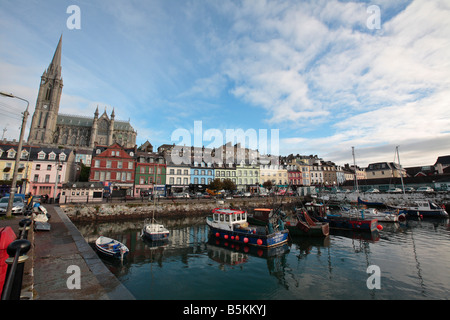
x: 229, y: 185
x: 268, y: 185
x: 215, y: 185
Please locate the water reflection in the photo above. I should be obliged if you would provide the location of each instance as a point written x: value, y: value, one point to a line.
x: 413, y: 257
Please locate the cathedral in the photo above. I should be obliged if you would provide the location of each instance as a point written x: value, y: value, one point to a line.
x: 50, y: 128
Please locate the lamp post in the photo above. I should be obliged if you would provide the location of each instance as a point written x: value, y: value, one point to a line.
x: 18, y: 155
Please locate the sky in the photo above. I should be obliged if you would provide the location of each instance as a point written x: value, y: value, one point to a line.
x: 311, y: 77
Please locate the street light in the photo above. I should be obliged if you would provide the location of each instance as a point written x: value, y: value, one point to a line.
x: 18, y: 155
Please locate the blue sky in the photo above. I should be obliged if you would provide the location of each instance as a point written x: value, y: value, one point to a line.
x: 313, y: 70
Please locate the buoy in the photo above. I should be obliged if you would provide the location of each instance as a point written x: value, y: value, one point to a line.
x: 225, y: 236
x: 232, y: 237
x: 237, y: 238
x: 380, y: 227
x: 245, y: 240
x: 217, y: 235
x: 259, y: 242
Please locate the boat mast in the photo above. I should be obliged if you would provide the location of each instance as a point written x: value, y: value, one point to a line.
x: 401, y: 171
x: 354, y: 164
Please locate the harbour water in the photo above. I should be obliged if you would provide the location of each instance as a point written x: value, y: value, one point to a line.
x: 412, y: 260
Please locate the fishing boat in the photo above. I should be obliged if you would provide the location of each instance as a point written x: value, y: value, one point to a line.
x: 260, y: 216
x: 154, y: 231
x: 111, y: 248
x: 423, y: 208
x: 232, y: 225
x: 373, y: 213
x: 301, y: 224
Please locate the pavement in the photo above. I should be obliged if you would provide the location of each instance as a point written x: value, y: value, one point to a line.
x: 63, y: 266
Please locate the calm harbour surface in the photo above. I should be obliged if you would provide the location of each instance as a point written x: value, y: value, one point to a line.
x: 413, y: 260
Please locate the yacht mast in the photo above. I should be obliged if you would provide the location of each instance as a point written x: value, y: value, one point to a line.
x: 401, y: 171
x: 354, y: 164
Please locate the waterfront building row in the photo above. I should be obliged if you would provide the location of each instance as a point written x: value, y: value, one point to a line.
x: 44, y: 170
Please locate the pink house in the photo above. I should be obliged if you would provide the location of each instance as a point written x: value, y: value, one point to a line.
x: 51, y: 167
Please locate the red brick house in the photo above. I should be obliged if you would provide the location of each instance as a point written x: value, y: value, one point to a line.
x: 114, y: 166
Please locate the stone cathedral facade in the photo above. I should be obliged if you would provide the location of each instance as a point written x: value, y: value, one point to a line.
x: 49, y: 127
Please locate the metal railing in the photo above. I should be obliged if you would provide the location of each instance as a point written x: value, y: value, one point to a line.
x: 17, y: 251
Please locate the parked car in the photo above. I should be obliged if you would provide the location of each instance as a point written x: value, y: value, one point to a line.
x: 409, y: 189
x: 373, y: 190
x: 425, y: 189
x: 18, y: 205
x: 394, y: 190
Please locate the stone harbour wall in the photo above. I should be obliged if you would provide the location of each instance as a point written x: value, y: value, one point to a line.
x: 180, y: 208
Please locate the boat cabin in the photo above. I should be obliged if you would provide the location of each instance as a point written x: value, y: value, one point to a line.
x: 229, y: 216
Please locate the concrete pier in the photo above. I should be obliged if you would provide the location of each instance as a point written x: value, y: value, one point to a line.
x: 55, y: 254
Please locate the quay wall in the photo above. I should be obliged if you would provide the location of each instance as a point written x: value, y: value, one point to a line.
x: 167, y: 208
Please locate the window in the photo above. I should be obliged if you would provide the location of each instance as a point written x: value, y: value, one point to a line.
x: 11, y: 153
x: 171, y: 180
x: 185, y: 180
x: 97, y: 164
x: 38, y: 166
x: 195, y: 180
x: 52, y: 156
x: 130, y: 165
x: 49, y: 167
x: 128, y: 176
x: 41, y: 155
x: 119, y: 164
x: 47, y: 178
x: 36, y: 178
x: 108, y: 164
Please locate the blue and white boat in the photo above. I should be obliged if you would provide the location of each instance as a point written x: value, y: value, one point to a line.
x: 111, y: 248
x: 423, y: 208
x: 232, y: 225
x: 154, y: 231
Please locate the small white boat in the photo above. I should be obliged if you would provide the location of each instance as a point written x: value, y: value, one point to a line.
x: 111, y: 247
x: 424, y: 208
x: 154, y: 231
x: 372, y: 213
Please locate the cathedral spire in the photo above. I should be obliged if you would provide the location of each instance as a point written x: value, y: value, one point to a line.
x: 55, y: 65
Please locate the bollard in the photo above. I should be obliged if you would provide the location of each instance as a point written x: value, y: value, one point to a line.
x: 24, y: 226
x: 17, y: 256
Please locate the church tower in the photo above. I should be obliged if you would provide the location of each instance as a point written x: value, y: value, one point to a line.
x: 43, y: 124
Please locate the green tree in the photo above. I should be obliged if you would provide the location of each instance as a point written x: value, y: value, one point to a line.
x: 229, y: 185
x: 268, y: 185
x: 215, y: 185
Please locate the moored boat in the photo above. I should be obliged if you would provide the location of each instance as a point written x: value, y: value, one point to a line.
x: 154, y: 231
x: 301, y: 224
x: 111, y: 247
x: 423, y: 208
x: 337, y: 221
x: 232, y: 225
x: 373, y: 213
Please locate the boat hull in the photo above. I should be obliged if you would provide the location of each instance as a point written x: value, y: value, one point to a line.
x: 111, y: 251
x: 344, y: 223
x: 321, y: 229
x: 258, y: 240
x: 160, y: 236
x: 427, y: 213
